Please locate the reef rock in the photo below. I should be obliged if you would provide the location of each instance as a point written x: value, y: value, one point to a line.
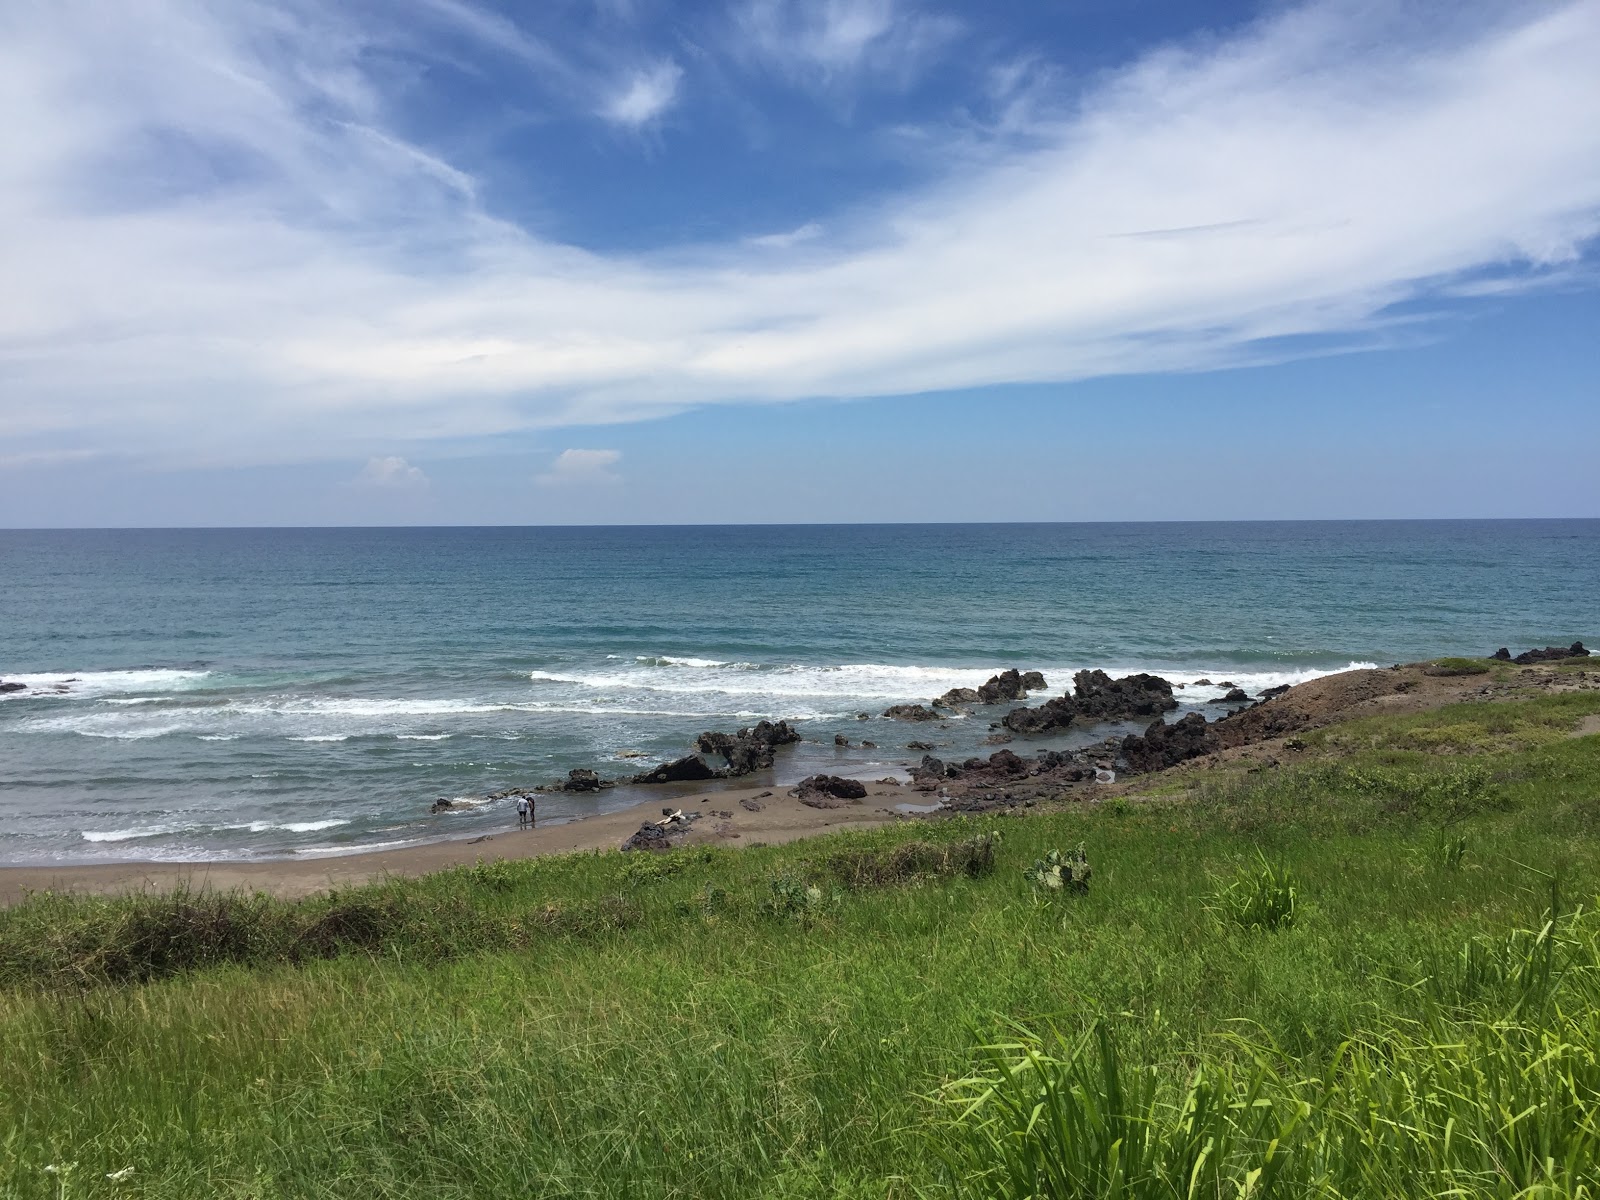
x: 958, y: 695
x: 584, y: 780
x: 1551, y: 653
x: 750, y: 749
x: 911, y: 712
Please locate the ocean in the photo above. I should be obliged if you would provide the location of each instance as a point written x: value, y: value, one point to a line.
x: 274, y: 693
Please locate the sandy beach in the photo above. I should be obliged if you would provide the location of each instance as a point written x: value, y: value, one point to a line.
x: 726, y: 820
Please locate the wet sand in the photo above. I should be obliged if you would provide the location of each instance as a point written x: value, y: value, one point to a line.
x: 781, y: 818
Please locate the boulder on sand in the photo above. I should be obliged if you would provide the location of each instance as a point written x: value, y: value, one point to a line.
x: 691, y: 767
x: 829, y: 791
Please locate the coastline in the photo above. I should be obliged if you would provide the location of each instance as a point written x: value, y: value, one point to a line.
x: 726, y: 821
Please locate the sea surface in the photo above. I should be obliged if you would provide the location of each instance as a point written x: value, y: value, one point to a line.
x: 217, y: 694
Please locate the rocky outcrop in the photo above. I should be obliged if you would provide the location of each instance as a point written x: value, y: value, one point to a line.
x: 1162, y: 745
x: 750, y: 749
x: 911, y: 712
x: 584, y: 780
x: 1503, y: 654
x: 1002, y: 768
x: 1269, y: 693
x: 13, y: 687
x: 1551, y: 654
x: 1010, y: 685
x: 1234, y: 696
x: 1096, y: 697
x: 829, y: 791
x: 1052, y: 714
x: 1100, y: 698
x: 690, y: 767
x: 957, y: 696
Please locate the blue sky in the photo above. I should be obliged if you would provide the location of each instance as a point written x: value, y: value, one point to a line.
x: 451, y: 261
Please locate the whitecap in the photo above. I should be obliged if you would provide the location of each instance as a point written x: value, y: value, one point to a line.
x: 322, y: 737
x: 422, y: 737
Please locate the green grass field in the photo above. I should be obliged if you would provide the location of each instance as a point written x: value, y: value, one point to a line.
x: 1373, y: 972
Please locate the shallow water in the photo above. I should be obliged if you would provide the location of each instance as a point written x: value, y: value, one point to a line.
x: 246, y: 693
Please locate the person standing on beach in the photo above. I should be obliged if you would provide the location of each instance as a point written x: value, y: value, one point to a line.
x: 522, y: 812
x: 533, y: 812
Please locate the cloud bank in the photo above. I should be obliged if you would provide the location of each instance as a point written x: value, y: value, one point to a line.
x: 219, y: 248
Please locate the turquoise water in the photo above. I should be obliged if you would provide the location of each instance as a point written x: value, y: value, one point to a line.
x: 245, y: 693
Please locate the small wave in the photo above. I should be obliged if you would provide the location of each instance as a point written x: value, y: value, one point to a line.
x: 290, y: 826
x: 322, y: 737
x: 707, y: 664
x: 351, y: 848
x: 125, y: 835
x: 218, y: 737
x: 84, y: 685
x: 422, y: 737
x: 129, y: 735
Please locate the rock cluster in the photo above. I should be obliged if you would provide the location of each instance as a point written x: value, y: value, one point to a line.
x: 1010, y: 685
x: 13, y: 687
x: 1096, y: 697
x: 1548, y: 654
x: 750, y: 749
x: 664, y: 834
x: 1007, y: 686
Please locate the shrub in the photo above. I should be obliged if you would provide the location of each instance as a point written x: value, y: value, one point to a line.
x: 1057, y: 872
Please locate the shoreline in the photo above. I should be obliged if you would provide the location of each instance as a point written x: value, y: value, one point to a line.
x: 726, y: 820
x: 768, y: 814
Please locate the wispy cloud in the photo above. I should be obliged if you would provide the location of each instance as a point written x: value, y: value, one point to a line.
x: 826, y: 42
x: 645, y: 95
x: 200, y: 202
x: 391, y: 472
x: 582, y: 467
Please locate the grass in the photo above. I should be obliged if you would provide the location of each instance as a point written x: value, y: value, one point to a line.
x: 698, y: 1025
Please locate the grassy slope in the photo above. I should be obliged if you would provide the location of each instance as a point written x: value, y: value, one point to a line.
x: 594, y: 1026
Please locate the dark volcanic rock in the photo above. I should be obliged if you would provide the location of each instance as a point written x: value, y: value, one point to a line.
x: 13, y: 687
x: 584, y: 780
x: 839, y: 739
x: 1096, y: 697
x: 957, y: 696
x: 1100, y: 698
x: 1010, y: 685
x: 1503, y: 654
x: 1052, y: 714
x: 750, y: 749
x: 1235, y: 696
x: 689, y: 767
x: 928, y: 770
x: 829, y: 791
x: 1551, y: 653
x: 661, y: 835
x: 1270, y: 692
x: 919, y: 746
x: 1162, y: 745
x: 910, y: 712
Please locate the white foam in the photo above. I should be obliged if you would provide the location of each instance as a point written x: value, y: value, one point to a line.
x: 423, y: 737
x: 88, y: 685
x: 219, y: 737
x: 322, y: 737
x: 292, y: 826
x: 124, y: 835
x: 352, y: 848
x: 130, y: 735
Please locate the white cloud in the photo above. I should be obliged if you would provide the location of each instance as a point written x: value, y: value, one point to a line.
x: 646, y: 95
x: 391, y: 472
x: 804, y: 233
x: 310, y: 276
x: 576, y: 467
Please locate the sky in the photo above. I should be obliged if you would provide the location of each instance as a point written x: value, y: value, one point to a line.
x: 639, y: 261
